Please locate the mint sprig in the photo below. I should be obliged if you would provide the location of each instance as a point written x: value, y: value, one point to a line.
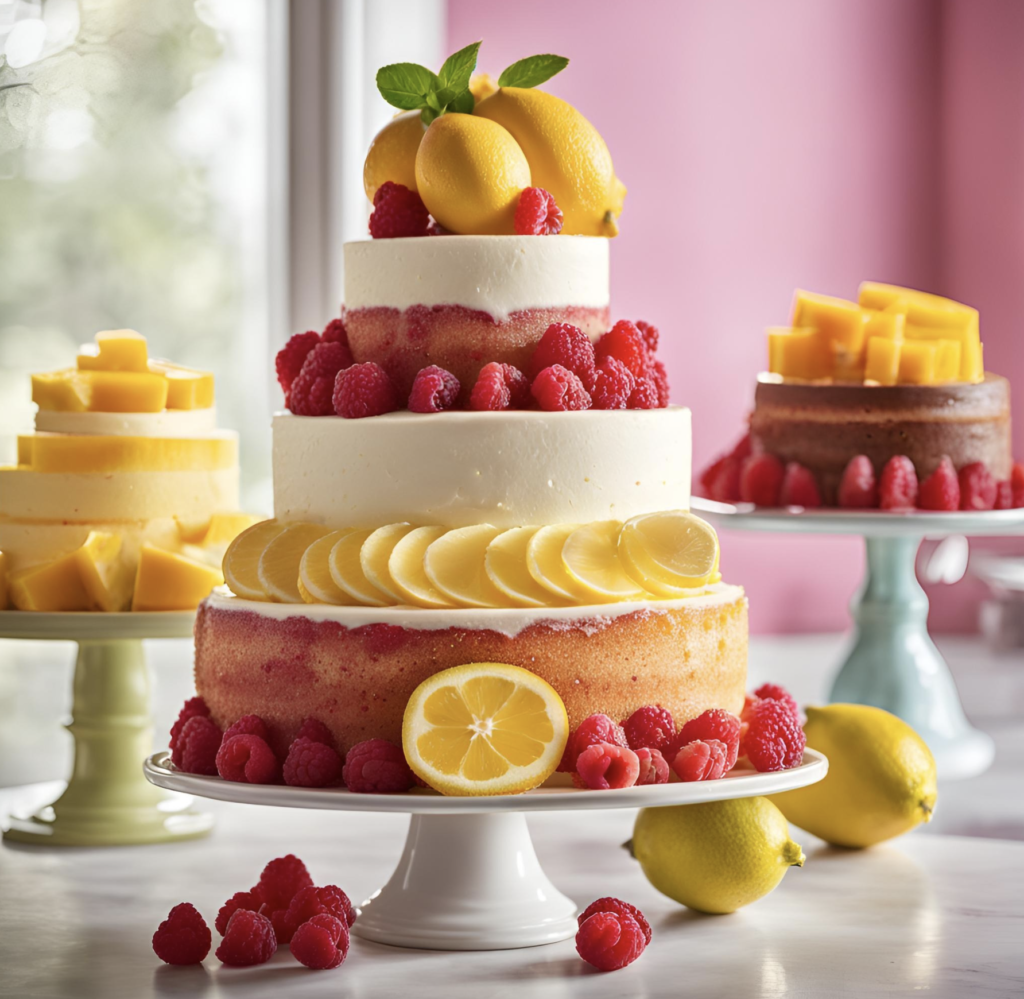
x: 532, y: 71
x: 411, y: 87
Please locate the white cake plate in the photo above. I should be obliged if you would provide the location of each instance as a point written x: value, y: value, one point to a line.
x: 893, y: 662
x: 469, y: 878
x: 107, y: 802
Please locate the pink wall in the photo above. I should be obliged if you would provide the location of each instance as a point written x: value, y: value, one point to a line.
x: 773, y: 145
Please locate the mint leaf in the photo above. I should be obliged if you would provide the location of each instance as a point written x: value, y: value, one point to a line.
x: 533, y: 70
x: 458, y: 68
x: 406, y: 85
x: 463, y: 104
x: 427, y: 115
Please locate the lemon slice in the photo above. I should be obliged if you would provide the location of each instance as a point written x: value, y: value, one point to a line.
x: 242, y: 559
x: 374, y: 556
x: 406, y: 568
x: 590, y: 556
x: 544, y: 563
x: 455, y: 565
x: 484, y: 728
x: 505, y: 565
x: 315, y: 584
x: 668, y: 552
x: 278, y: 567
x: 347, y: 571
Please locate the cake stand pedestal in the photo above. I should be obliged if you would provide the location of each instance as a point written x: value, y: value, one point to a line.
x: 108, y: 801
x: 469, y: 878
x: 893, y: 662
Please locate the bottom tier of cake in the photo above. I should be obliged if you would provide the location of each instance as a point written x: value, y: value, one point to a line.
x: 354, y: 668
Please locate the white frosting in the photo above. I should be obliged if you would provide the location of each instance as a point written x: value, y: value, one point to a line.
x: 167, y: 423
x: 456, y: 469
x: 505, y: 621
x: 496, y: 274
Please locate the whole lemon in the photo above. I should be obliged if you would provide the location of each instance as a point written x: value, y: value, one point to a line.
x: 470, y: 173
x: 392, y: 153
x: 567, y: 157
x: 716, y: 856
x: 881, y: 778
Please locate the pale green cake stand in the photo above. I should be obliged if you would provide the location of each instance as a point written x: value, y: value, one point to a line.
x: 108, y: 801
x: 893, y: 662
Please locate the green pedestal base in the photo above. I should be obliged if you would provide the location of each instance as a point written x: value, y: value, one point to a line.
x: 108, y: 801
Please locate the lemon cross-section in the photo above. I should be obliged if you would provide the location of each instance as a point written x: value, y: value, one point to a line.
x: 242, y: 559
x: 668, y: 553
x: 278, y: 566
x: 591, y: 557
x: 484, y: 728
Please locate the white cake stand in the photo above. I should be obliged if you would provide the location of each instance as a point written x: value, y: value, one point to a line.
x: 107, y: 802
x: 469, y: 878
x: 893, y: 662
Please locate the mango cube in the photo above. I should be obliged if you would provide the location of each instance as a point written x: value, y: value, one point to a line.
x: 106, y: 578
x: 889, y: 322
x: 839, y: 321
x: 115, y: 350
x: 186, y: 387
x: 883, y: 360
x: 167, y: 582
x: 52, y: 586
x: 73, y: 391
x: 947, y: 361
x: 3, y: 581
x: 798, y: 353
x: 917, y: 362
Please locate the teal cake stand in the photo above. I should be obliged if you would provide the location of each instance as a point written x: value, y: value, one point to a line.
x: 893, y: 662
x: 107, y: 801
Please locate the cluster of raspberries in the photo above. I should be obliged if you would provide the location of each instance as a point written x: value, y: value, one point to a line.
x: 752, y: 476
x: 399, y: 212
x: 243, y: 753
x: 283, y: 907
x: 566, y: 372
x: 647, y: 748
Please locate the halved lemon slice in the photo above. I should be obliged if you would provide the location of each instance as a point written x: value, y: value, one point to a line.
x: 669, y: 551
x: 544, y: 563
x: 505, y: 565
x: 590, y: 556
x: 374, y: 555
x: 242, y: 559
x: 347, y: 571
x: 315, y: 584
x: 484, y: 728
x: 406, y: 568
x: 454, y: 564
x: 278, y: 567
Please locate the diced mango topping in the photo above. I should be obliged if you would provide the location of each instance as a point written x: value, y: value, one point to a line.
x: 115, y: 350
x: 186, y: 388
x: 167, y: 582
x: 839, y: 321
x: 797, y: 353
x: 883, y: 361
x: 44, y: 452
x: 3, y: 581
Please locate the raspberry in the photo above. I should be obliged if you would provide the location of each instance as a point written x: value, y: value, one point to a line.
x: 649, y: 727
x: 248, y: 900
x: 1017, y: 484
x: 653, y: 766
x: 603, y: 766
x: 773, y: 692
x: 977, y: 487
x: 650, y: 334
x: 609, y: 941
x: 625, y: 343
x: 644, y: 394
x: 198, y: 744
x: 659, y: 375
x: 364, y: 390
x: 183, y: 937
x: 761, y: 479
x: 335, y: 332
x: 316, y: 731
x: 614, y: 385
x: 618, y: 907
x: 537, y: 214
x: 248, y: 940
x: 311, y: 764
x: 715, y: 723
x: 1004, y: 495
x: 897, y: 489
x: 699, y: 760
x: 518, y: 386
x: 321, y: 943
x: 311, y: 901
x: 799, y: 487
x: 281, y: 880
x: 748, y: 702
x: 397, y: 212
x: 248, y: 759
x: 310, y: 393
x: 248, y: 725
x: 858, y: 489
x: 433, y: 390
x: 725, y: 481
x: 774, y: 739
x: 377, y: 766
x: 557, y: 389
x: 593, y: 729
x: 192, y: 707
x: 569, y: 346
x: 499, y: 386
x: 291, y: 357
x: 941, y: 490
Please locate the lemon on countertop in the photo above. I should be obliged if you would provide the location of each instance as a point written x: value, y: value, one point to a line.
x: 881, y: 779
x: 716, y: 856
